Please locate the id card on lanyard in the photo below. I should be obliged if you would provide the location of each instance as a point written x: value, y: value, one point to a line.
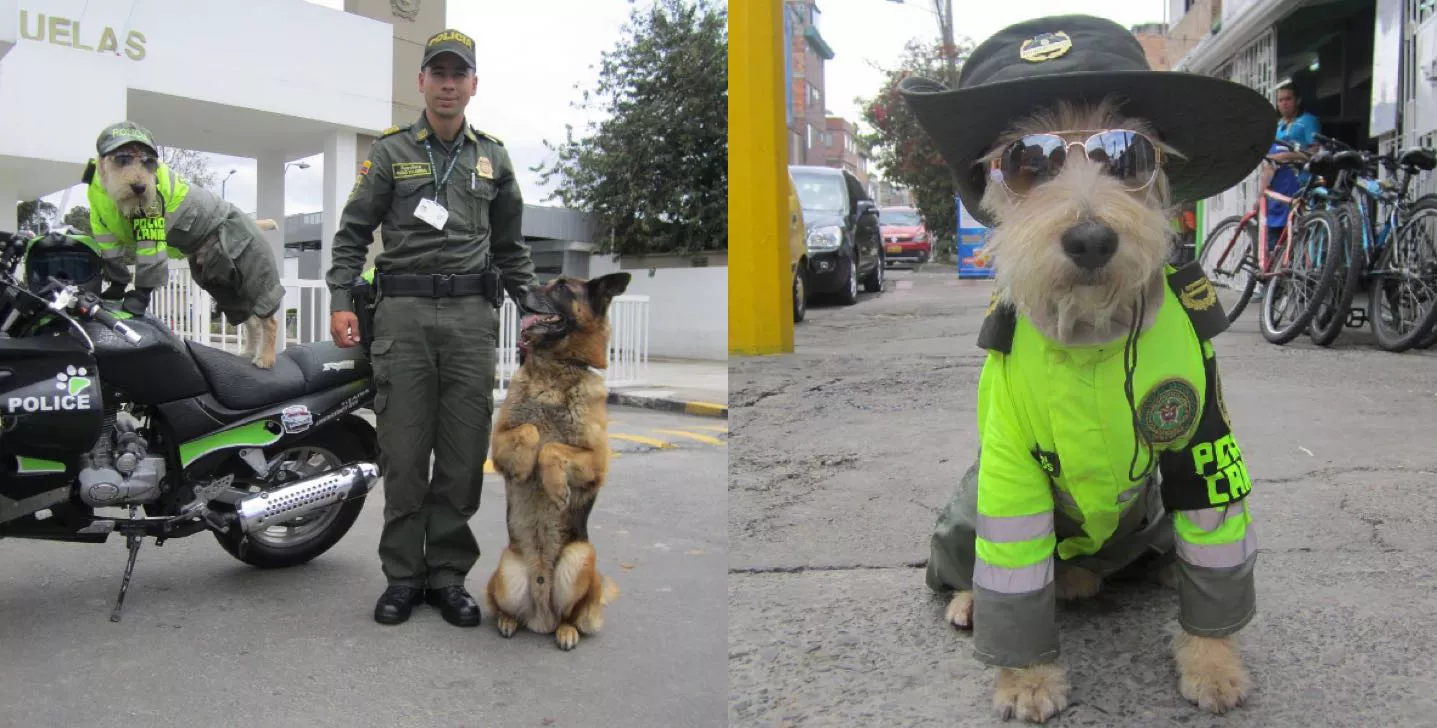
x: 429, y: 210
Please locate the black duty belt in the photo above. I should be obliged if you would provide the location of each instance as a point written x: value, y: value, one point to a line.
x: 438, y: 285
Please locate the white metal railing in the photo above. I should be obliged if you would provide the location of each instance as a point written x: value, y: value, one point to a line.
x: 186, y: 309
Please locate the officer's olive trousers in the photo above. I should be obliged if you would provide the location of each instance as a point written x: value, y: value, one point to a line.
x: 434, y: 375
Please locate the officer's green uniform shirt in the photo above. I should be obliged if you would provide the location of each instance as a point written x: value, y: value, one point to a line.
x: 1057, y: 433
x: 481, y: 195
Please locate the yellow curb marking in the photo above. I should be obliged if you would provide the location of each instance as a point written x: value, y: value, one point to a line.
x: 708, y: 439
x: 710, y: 409
x: 651, y: 442
x: 712, y: 428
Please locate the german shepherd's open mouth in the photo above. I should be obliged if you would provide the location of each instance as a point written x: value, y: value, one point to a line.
x: 563, y: 307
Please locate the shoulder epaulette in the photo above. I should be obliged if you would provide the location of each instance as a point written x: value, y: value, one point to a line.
x: 488, y: 136
x: 1000, y: 322
x: 1199, y: 299
x: 392, y: 131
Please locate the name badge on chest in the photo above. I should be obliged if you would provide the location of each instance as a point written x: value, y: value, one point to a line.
x: 432, y: 213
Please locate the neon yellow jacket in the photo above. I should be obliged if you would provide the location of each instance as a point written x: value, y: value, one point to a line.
x: 1057, y: 435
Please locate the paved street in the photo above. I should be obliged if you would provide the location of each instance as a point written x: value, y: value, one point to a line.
x: 843, y: 453
x: 208, y: 641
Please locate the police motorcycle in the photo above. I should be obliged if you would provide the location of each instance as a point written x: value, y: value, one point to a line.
x: 109, y: 423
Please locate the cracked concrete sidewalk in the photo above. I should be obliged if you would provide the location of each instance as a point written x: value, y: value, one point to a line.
x: 842, y: 453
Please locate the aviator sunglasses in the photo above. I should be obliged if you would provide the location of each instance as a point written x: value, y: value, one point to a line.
x: 1127, y: 156
x: 125, y: 159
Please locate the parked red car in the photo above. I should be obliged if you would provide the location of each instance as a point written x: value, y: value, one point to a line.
x: 905, y: 239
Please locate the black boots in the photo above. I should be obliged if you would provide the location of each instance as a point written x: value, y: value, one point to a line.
x: 454, y: 602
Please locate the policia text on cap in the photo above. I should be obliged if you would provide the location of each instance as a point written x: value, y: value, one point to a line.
x: 450, y: 210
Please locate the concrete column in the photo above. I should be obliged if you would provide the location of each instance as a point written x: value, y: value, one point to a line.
x: 9, y: 198
x: 269, y: 200
x: 341, y: 164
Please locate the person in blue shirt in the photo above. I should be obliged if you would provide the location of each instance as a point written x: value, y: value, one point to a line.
x: 1298, y: 126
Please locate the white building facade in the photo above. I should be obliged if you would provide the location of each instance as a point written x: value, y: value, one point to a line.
x: 1366, y: 68
x: 272, y: 80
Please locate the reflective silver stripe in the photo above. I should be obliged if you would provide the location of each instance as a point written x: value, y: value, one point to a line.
x: 1218, y: 556
x: 1014, y: 528
x: 106, y: 239
x: 114, y: 252
x: 1013, y: 581
x: 1209, y: 519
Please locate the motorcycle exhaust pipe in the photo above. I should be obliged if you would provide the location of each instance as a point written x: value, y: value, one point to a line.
x: 262, y: 510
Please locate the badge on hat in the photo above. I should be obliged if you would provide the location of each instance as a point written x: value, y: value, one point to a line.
x: 1045, y: 47
x: 486, y: 168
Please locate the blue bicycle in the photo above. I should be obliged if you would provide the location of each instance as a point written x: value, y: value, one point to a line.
x: 1390, y: 250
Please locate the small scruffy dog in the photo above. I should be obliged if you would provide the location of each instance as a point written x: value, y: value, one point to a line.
x: 129, y: 178
x: 1105, y: 446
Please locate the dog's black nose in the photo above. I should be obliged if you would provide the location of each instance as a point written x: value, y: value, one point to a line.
x: 138, y: 189
x: 1090, y: 244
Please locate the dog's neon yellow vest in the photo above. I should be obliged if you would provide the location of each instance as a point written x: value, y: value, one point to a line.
x: 1057, y: 431
x: 191, y: 214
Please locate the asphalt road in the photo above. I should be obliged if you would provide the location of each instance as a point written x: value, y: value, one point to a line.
x: 208, y: 641
x: 843, y: 453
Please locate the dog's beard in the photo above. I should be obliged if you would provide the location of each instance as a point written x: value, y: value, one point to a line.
x: 1033, y: 272
x: 130, y: 205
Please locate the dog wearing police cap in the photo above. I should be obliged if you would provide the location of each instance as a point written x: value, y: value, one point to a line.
x: 1105, y: 449
x: 137, y: 201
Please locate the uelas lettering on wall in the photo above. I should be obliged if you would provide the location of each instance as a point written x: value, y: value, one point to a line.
x: 67, y: 32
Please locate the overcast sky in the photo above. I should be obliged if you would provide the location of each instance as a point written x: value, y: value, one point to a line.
x: 527, y: 69
x: 862, y: 32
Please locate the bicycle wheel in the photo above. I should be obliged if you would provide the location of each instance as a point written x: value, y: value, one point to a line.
x: 1291, y: 296
x: 1229, y: 258
x: 1403, y: 308
x: 1333, y: 309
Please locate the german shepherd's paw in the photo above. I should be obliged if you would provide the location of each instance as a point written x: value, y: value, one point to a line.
x: 1075, y: 582
x: 960, y: 610
x: 1034, y: 694
x: 507, y: 625
x: 1210, y: 672
x: 516, y: 452
x: 567, y: 637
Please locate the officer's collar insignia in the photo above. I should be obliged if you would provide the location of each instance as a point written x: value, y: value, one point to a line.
x: 1045, y: 47
x: 486, y: 168
x: 422, y: 134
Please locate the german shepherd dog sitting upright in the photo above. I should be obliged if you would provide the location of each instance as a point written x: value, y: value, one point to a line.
x: 551, y: 445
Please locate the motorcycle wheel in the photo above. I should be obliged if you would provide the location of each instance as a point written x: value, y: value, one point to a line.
x: 302, y: 539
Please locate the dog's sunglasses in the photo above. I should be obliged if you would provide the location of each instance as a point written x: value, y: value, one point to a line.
x: 125, y: 159
x: 1128, y: 156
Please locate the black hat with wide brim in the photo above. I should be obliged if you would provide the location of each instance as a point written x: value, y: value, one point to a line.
x: 1221, y: 128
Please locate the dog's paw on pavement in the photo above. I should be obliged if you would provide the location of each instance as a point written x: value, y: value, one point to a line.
x: 567, y: 636
x: 960, y: 610
x: 1076, y: 583
x: 507, y: 625
x: 1034, y: 694
x: 1211, y: 672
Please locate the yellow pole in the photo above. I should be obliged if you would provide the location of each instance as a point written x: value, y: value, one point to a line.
x: 760, y: 319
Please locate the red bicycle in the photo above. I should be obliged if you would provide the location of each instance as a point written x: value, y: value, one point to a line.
x: 1237, y: 253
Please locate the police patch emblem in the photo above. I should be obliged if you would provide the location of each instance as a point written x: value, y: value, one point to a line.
x: 364, y: 168
x: 1168, y: 411
x: 1045, y: 47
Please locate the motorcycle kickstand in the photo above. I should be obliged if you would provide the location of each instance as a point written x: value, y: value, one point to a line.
x: 134, y: 536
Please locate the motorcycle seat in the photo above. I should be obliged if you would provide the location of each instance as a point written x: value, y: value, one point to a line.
x: 238, y: 384
x: 298, y: 370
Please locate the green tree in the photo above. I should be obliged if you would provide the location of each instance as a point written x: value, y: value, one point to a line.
x: 36, y: 216
x: 79, y: 218
x: 902, y: 151
x: 654, y: 171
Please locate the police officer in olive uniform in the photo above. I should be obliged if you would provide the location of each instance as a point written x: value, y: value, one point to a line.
x: 450, y: 209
